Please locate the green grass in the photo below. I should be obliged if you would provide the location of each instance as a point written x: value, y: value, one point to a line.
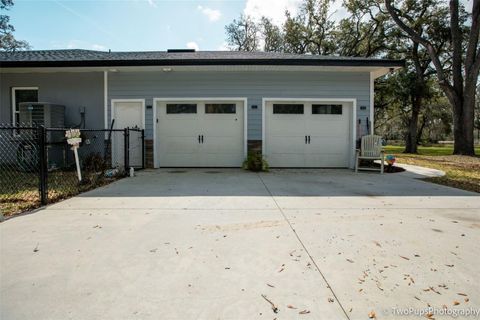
x: 461, y: 172
x: 438, y: 150
x: 19, y: 189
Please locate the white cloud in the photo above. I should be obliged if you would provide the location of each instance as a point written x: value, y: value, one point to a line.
x: 338, y: 11
x: 223, y: 47
x: 78, y: 44
x: 152, y: 3
x: 212, y: 14
x: 275, y: 9
x: 193, y: 45
x: 99, y: 47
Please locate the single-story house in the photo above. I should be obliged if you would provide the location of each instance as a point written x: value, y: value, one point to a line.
x: 207, y: 108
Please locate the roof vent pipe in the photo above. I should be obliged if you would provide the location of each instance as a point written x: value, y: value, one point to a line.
x: 180, y: 50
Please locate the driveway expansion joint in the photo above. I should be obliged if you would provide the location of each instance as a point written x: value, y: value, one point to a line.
x: 303, y: 246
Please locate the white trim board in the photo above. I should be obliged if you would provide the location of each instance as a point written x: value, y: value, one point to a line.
x: 353, y: 122
x: 13, y: 100
x: 105, y: 99
x: 372, y: 103
x: 245, y: 119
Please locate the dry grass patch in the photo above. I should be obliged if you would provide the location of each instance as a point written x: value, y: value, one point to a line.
x: 461, y: 172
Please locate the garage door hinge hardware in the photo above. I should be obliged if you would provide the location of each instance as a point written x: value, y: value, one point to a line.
x: 307, y: 139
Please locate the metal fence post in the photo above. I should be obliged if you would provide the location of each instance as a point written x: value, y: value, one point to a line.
x: 126, y: 134
x: 42, y: 164
x: 143, y: 148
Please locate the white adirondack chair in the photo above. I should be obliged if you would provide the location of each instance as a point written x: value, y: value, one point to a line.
x: 371, y: 149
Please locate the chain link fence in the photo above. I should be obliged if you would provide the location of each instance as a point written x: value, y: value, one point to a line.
x: 19, y: 169
x: 37, y: 165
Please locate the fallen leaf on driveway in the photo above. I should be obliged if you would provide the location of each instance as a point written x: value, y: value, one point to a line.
x: 36, y: 248
x: 330, y: 300
x: 291, y: 307
x: 433, y: 289
x: 377, y: 244
x: 450, y: 265
x: 274, y: 307
x: 372, y: 315
x: 466, y: 299
x: 462, y: 294
x: 304, y: 312
x: 350, y: 260
x: 456, y: 303
x: 270, y: 285
x: 404, y: 258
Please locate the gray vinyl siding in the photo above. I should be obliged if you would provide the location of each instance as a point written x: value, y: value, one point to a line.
x: 252, y: 85
x: 74, y: 90
x: 85, y: 89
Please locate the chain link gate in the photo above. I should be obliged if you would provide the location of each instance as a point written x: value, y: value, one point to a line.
x: 37, y: 166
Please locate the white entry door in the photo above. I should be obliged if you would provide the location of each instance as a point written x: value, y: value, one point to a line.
x: 127, y: 114
x: 308, y: 134
x: 200, y: 133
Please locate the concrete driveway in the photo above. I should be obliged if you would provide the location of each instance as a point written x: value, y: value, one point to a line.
x: 208, y: 243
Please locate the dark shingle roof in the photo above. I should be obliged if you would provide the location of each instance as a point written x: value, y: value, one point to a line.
x: 81, y: 58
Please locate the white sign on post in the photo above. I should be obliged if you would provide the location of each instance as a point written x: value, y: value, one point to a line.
x: 73, y: 139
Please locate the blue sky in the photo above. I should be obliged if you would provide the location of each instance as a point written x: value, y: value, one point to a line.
x: 124, y: 25
x: 130, y: 25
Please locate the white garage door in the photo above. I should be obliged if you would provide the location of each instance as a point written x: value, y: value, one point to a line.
x: 308, y: 134
x: 200, y: 133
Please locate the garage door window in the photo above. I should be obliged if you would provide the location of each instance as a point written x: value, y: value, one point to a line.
x: 288, y: 108
x: 181, y: 108
x: 220, y: 108
x: 326, y: 109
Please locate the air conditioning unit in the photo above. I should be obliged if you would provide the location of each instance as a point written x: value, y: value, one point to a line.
x: 44, y: 114
x: 48, y: 115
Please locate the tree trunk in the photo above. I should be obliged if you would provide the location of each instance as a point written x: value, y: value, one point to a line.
x: 411, y: 139
x: 464, y: 122
x: 421, y: 129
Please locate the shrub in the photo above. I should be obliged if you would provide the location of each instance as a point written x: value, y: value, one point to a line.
x: 255, y: 162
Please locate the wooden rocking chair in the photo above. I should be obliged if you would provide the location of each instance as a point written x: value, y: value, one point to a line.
x: 371, y: 149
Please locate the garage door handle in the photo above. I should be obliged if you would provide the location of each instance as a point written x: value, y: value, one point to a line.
x: 202, y: 138
x: 308, y: 139
x: 198, y: 138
